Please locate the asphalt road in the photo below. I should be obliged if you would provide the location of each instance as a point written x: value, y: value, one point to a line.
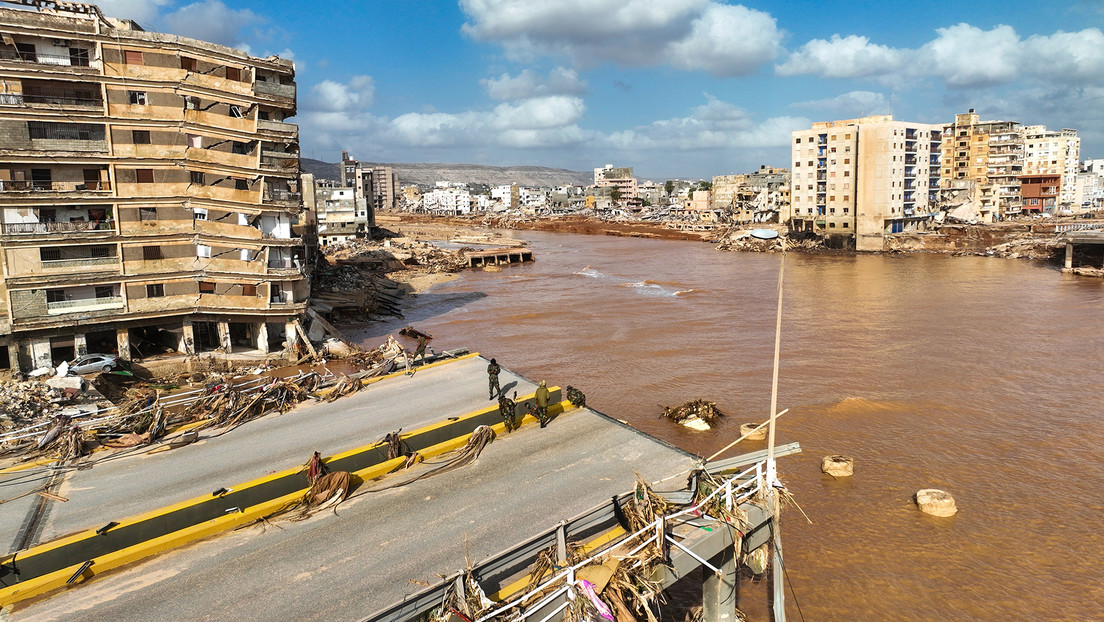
x: 129, y: 484
x: 378, y: 547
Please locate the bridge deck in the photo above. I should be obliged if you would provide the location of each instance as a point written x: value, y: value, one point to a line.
x: 379, y: 547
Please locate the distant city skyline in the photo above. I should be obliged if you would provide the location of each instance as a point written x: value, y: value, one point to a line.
x: 682, y: 88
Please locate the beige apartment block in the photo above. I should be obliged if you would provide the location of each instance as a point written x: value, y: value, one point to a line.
x: 856, y: 180
x: 989, y: 154
x: 149, y: 195
x: 1054, y: 153
x: 621, y: 178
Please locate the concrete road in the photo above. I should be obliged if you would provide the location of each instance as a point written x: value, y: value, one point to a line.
x: 131, y: 483
x: 378, y: 547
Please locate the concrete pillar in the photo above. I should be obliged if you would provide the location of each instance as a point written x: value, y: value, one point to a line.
x: 80, y: 344
x: 1069, y: 255
x: 122, y: 339
x: 187, y: 339
x: 224, y: 337
x: 719, y: 592
x: 40, y: 353
x: 262, y: 337
x: 291, y: 335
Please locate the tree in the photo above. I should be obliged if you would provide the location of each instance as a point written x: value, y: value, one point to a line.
x: 615, y: 193
x: 669, y: 187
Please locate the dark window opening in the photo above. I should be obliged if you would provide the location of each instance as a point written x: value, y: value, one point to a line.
x: 187, y: 64
x: 140, y: 137
x: 105, y: 291
x: 155, y: 290
x: 131, y: 57
x: 241, y: 184
x: 27, y: 52
x: 233, y: 73
x: 144, y: 175
x: 206, y: 287
x: 249, y: 290
x: 79, y: 57
x: 241, y: 148
x: 151, y: 252
x: 236, y: 112
x: 49, y: 254
x: 147, y: 213
x: 137, y: 98
x: 198, y: 178
x: 55, y: 295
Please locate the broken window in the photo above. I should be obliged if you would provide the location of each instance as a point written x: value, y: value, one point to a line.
x: 147, y: 213
x: 198, y: 178
x: 241, y: 184
x: 144, y: 175
x: 140, y: 137
x: 136, y: 98
x: 155, y: 290
x: 150, y: 253
x: 241, y: 148
x: 236, y: 111
x: 131, y: 57
x: 105, y: 291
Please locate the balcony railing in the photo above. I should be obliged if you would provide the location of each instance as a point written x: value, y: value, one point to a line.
x: 45, y: 59
x: 17, y: 228
x: 85, y: 304
x: 282, y: 196
x: 53, y: 186
x: 80, y: 262
x: 275, y: 88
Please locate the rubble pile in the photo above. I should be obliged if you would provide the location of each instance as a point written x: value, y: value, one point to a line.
x: 28, y: 402
x: 741, y: 240
x: 696, y: 415
x: 1026, y: 248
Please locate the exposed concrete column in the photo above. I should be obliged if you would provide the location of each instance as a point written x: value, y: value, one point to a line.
x: 1069, y: 255
x: 224, y: 337
x: 291, y: 336
x: 187, y: 339
x: 262, y: 337
x: 719, y: 592
x: 40, y: 353
x: 122, y: 339
x: 80, y: 344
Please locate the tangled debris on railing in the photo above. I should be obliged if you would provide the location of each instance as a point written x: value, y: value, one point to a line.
x: 696, y: 415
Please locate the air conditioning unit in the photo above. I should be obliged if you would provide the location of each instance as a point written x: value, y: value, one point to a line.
x: 61, y: 43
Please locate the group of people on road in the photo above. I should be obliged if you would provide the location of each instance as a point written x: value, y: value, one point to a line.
x: 507, y: 407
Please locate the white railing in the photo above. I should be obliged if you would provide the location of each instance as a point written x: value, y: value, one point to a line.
x: 84, y: 304
x: 751, y: 485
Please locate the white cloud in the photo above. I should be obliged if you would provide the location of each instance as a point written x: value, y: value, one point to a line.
x: 842, y: 57
x: 330, y: 96
x: 713, y: 125
x: 854, y: 103
x: 1068, y: 56
x: 210, y: 20
x: 529, y: 83
x: 965, y: 56
x: 687, y: 34
x: 728, y: 41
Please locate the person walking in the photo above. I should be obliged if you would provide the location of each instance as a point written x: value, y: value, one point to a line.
x: 420, y: 351
x: 507, y: 408
x: 492, y: 379
x: 542, y: 404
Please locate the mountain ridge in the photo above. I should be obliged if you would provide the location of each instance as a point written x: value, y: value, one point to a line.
x: 427, y: 174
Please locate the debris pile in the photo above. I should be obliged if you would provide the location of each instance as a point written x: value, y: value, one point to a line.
x: 28, y: 402
x: 696, y: 415
x: 741, y: 240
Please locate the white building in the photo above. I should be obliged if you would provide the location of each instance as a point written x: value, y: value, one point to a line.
x: 1053, y: 153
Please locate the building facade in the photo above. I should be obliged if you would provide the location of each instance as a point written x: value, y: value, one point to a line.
x: 990, y: 154
x: 856, y: 180
x: 621, y: 178
x: 149, y: 195
x: 1053, y: 153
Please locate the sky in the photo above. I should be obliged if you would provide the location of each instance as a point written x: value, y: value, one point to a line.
x: 674, y: 88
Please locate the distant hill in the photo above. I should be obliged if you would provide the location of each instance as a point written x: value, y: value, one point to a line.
x: 428, y: 174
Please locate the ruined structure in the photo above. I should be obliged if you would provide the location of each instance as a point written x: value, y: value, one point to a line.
x: 149, y: 193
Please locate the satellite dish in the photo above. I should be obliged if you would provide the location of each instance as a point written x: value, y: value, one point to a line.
x: 764, y: 234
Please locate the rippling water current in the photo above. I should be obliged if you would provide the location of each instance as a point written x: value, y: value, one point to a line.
x: 978, y: 376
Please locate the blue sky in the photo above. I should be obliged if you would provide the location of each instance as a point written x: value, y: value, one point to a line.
x: 674, y: 88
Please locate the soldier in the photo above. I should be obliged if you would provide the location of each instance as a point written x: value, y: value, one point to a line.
x: 420, y: 351
x: 508, y: 408
x: 542, y: 404
x: 492, y: 372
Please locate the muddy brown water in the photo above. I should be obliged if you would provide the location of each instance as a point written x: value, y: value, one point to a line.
x: 978, y: 376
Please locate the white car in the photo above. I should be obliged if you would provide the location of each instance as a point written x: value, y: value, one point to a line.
x: 92, y: 363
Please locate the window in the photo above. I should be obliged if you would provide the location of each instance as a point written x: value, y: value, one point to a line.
x: 249, y: 290
x: 847, y: 160
x: 155, y: 290
x: 206, y: 287
x: 262, y: 115
x: 55, y: 295
x: 847, y: 173
x: 187, y: 64
x: 236, y: 112
x: 233, y: 73
x: 199, y: 213
x: 49, y: 254
x: 147, y: 213
x: 140, y: 137
x: 202, y: 250
x: 99, y: 251
x: 144, y: 175
x: 150, y: 253
x: 78, y: 57
x: 136, y: 98
x: 845, y: 225
x: 275, y: 293
x: 198, y: 178
x: 131, y: 57
x: 105, y: 291
x: 832, y: 225
x: 241, y: 148
x: 241, y: 184
x: 191, y: 102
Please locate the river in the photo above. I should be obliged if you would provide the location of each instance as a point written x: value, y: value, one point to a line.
x: 978, y: 376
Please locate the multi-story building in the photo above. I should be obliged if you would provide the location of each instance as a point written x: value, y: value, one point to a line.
x: 447, y: 201
x: 1053, y: 153
x: 1040, y: 193
x: 856, y: 180
x: 617, y: 177
x: 384, y: 183
x: 753, y: 197
x: 340, y: 215
x: 988, y: 153
x: 148, y: 191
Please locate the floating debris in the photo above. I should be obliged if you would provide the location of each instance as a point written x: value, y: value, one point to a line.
x: 936, y: 502
x: 696, y: 415
x: 838, y: 466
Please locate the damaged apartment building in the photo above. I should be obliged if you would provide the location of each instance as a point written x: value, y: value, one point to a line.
x: 148, y: 191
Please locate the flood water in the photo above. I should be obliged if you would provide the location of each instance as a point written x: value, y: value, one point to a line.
x: 979, y: 376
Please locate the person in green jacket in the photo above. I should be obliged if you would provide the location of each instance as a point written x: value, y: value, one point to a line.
x: 542, y: 404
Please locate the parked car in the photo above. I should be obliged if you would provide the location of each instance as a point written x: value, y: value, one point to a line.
x: 92, y: 363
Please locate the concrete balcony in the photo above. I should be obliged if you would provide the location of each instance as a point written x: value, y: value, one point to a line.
x: 279, y: 161
x: 55, y: 187
x: 83, y: 264
x: 85, y: 305
x: 225, y: 158
x: 279, y: 127
x: 282, y: 198
x: 42, y: 228
x: 275, y: 89
x: 48, y: 62
x: 214, y: 119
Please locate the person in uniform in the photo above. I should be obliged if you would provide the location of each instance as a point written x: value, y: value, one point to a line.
x: 508, y: 408
x: 420, y: 351
x: 492, y: 379
x: 542, y: 404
